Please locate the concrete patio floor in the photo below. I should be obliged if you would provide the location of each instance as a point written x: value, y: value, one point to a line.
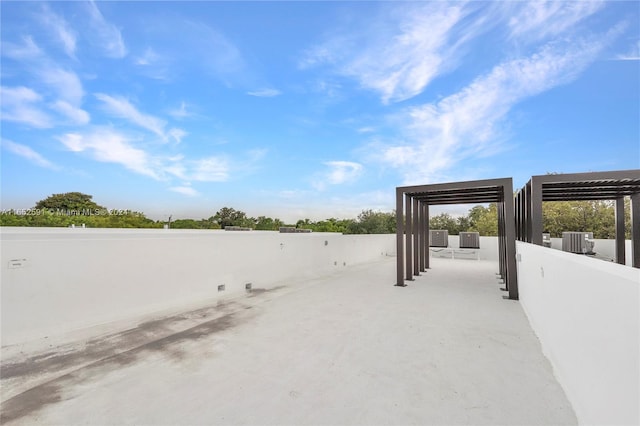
x: 349, y: 348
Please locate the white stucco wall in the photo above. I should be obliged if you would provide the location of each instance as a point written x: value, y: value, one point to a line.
x: 586, y: 314
x: 56, y: 280
x: 488, y: 248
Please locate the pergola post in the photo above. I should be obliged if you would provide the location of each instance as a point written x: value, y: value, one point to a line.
x: 620, y: 249
x: 635, y: 229
x: 427, y: 236
x: 510, y: 241
x: 399, y: 239
x: 416, y: 238
x: 408, y: 237
x: 527, y: 212
x: 421, y: 237
x: 536, y: 211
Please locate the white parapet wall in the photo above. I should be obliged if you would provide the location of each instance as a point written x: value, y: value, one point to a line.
x: 586, y: 314
x: 57, y: 280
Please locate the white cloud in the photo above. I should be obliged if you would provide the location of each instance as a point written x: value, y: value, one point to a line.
x: 401, y: 54
x: 28, y: 153
x: 467, y: 123
x: 210, y: 169
x: 109, y: 146
x: 185, y: 190
x: 121, y: 107
x: 60, y: 29
x: 106, y: 34
x: 342, y: 171
x: 265, y: 93
x: 177, y: 134
x: 149, y: 57
x: 66, y: 83
x: 28, y: 51
x: 180, y: 112
x: 20, y: 104
x: 539, y: 19
x: 56, y: 81
x: 76, y: 115
x: 338, y: 173
x: 633, y: 54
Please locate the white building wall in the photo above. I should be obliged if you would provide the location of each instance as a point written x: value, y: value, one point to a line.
x: 58, y: 280
x: 586, y: 314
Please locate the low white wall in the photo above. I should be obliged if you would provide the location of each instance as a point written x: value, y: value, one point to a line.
x: 55, y: 280
x: 488, y: 248
x: 587, y: 317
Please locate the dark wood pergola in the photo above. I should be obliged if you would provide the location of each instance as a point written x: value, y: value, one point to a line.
x: 412, y: 234
x: 613, y: 185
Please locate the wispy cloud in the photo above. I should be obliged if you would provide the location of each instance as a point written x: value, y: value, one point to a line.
x: 185, y: 190
x: 107, y: 35
x: 180, y: 112
x: 337, y: 173
x: 154, y: 65
x: 21, y: 105
x: 65, y: 83
x: 401, y: 54
x: 633, y: 54
x: 211, y: 169
x: 208, y: 169
x: 438, y: 135
x: 28, y: 50
x: 76, y: 115
x: 109, y: 146
x: 177, y: 134
x: 28, y: 153
x: 265, y: 93
x: 53, y: 80
x: 537, y: 20
x: 60, y: 29
x: 149, y: 57
x: 122, y: 108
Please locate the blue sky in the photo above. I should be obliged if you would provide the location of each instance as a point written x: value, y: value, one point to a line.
x: 308, y: 109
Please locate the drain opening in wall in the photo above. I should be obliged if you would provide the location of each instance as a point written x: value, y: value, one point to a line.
x: 221, y: 287
x: 247, y: 286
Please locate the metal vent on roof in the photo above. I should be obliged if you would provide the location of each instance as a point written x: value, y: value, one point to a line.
x: 439, y: 238
x: 470, y: 240
x: 578, y: 242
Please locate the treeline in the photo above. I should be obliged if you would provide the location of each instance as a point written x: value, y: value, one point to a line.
x: 75, y: 208
x: 558, y: 216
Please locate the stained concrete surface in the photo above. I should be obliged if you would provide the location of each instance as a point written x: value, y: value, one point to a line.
x: 346, y: 348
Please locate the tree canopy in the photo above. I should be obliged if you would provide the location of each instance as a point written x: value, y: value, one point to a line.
x: 78, y: 208
x: 70, y: 201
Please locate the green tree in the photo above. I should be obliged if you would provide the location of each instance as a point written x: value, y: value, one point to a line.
x: 372, y: 222
x: 69, y: 201
x: 263, y: 223
x: 581, y: 216
x: 445, y: 221
x: 484, y: 220
x: 228, y: 216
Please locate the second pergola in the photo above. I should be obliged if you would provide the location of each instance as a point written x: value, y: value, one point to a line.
x: 412, y: 223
